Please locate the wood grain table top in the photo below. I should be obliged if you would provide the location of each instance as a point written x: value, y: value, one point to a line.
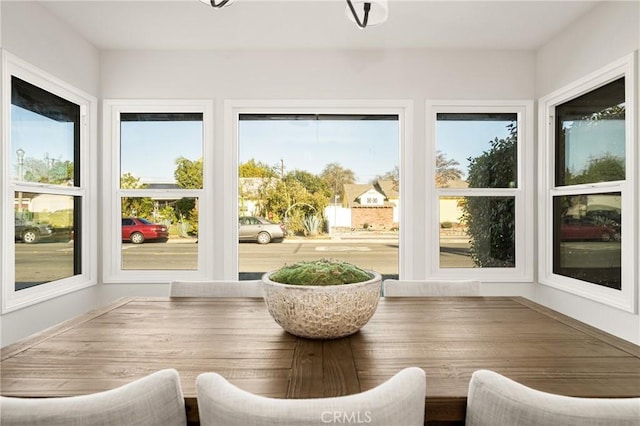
x: 448, y: 337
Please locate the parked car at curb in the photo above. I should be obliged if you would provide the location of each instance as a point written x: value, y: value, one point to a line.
x: 31, y: 232
x: 138, y: 230
x: 574, y: 229
x: 260, y: 230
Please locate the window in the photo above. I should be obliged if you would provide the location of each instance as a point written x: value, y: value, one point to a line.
x: 50, y: 168
x: 588, y: 169
x: 156, y: 169
x: 480, y: 191
x: 329, y: 179
x: 307, y: 138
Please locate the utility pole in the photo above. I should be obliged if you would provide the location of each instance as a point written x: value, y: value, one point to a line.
x: 281, y: 168
x: 20, y: 154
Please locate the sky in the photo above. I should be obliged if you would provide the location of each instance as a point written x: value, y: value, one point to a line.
x: 583, y: 143
x: 459, y: 140
x: 39, y: 137
x: 149, y: 149
x: 368, y: 147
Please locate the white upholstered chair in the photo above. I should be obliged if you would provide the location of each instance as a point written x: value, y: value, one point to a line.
x: 155, y: 400
x: 398, y: 401
x: 497, y: 400
x: 250, y: 288
x: 401, y: 288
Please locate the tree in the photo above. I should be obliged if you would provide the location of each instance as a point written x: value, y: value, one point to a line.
x: 615, y: 112
x: 274, y: 198
x: 308, y: 197
x: 129, y: 181
x: 48, y: 170
x: 491, y: 220
x: 251, y: 169
x: 188, y: 174
x: 135, y: 206
x: 608, y: 126
x: 288, y: 199
x: 392, y: 175
x: 336, y: 176
x: 168, y: 213
x: 606, y: 168
x: 446, y: 170
x: 255, y: 174
x: 186, y: 212
x: 312, y: 183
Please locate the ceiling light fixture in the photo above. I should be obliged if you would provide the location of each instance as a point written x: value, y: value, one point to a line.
x: 374, y: 11
x: 219, y: 5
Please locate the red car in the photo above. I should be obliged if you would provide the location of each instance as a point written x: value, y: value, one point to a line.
x: 138, y: 230
x: 586, y: 229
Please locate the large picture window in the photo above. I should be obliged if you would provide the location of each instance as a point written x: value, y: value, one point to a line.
x: 49, y: 167
x: 327, y: 185
x: 588, y: 234
x: 479, y: 193
x: 323, y: 176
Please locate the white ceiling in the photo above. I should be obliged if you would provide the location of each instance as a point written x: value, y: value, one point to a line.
x: 316, y: 24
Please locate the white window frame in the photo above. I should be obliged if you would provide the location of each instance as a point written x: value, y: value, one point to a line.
x: 523, y: 194
x: 234, y: 108
x: 624, y: 299
x: 11, y: 299
x: 112, y: 193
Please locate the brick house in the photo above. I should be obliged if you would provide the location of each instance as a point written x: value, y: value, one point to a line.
x: 372, y: 205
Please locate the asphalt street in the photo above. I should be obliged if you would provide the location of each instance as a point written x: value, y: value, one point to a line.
x: 42, y: 262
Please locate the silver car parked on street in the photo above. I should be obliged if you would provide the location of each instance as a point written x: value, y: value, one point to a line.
x: 260, y: 230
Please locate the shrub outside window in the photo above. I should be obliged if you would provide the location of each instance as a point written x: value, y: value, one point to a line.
x: 480, y: 189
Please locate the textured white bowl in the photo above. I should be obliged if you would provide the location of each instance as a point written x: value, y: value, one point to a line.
x: 322, y: 312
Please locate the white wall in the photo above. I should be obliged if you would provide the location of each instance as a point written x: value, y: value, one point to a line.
x: 380, y: 74
x: 35, y: 36
x: 608, y: 32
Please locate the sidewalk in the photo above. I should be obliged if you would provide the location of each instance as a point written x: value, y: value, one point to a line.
x: 182, y: 240
x: 368, y: 236
x: 364, y: 236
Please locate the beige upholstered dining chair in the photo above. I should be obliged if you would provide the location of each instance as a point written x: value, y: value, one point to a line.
x: 250, y: 288
x: 155, y: 400
x: 400, y: 288
x: 398, y: 401
x: 496, y: 400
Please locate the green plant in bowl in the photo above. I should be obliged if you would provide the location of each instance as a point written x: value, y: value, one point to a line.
x: 322, y: 272
x: 322, y: 299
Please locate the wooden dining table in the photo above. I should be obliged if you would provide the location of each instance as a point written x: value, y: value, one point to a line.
x: 449, y: 338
